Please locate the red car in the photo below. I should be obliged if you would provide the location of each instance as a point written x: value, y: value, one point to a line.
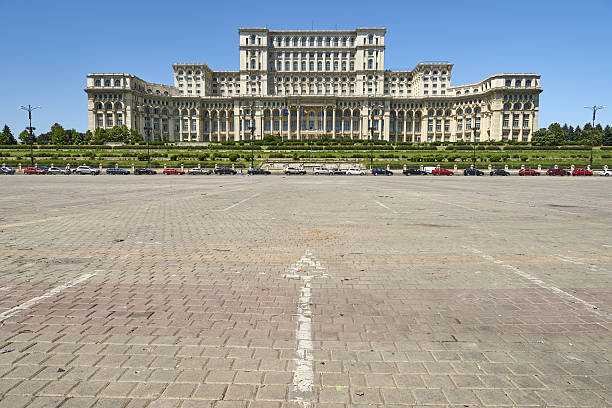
x: 582, y: 172
x: 441, y: 172
x: 173, y: 171
x: 528, y: 172
x: 557, y: 172
x: 35, y: 170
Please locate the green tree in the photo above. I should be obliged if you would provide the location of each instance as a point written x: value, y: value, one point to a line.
x: 556, y: 134
x: 58, y: 135
x: 87, y: 137
x: 99, y: 136
x: 7, y: 132
x: 135, y: 137
x: 4, y: 140
x: 607, y: 137
x: 24, y: 136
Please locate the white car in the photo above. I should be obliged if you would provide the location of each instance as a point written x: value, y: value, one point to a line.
x: 322, y: 170
x: 294, y: 170
x: 605, y: 172
x: 86, y: 170
x: 56, y: 170
x: 355, y: 172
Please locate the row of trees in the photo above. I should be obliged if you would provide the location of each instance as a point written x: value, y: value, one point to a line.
x: 557, y: 135
x: 554, y: 135
x: 61, y: 137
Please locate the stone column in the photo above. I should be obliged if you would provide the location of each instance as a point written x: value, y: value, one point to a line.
x: 324, y: 120
x: 289, y: 123
x: 334, y: 123
x: 299, y: 124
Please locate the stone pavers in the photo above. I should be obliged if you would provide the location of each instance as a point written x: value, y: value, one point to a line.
x: 194, y: 301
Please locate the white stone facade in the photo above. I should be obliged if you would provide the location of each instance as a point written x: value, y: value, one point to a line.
x: 305, y: 84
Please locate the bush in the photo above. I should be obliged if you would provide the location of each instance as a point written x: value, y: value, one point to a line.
x: 233, y: 157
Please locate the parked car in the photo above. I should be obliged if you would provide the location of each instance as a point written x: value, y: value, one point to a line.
x: 338, y: 172
x: 528, y: 172
x: 7, y: 170
x: 382, y: 172
x: 582, y: 172
x: 57, y: 170
x: 35, y: 170
x: 142, y: 170
x: 199, y: 170
x: 259, y: 171
x: 86, y: 170
x: 472, y: 172
x: 557, y: 172
x: 224, y: 170
x: 173, y: 171
x: 294, y: 170
x: 322, y: 170
x: 355, y: 172
x: 117, y: 171
x: 499, y: 172
x: 605, y: 172
x: 442, y: 172
x: 414, y: 172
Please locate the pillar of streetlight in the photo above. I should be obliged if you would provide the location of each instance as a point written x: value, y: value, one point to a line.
x: 594, y: 108
x: 29, y: 109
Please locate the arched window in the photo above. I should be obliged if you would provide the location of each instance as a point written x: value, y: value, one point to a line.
x: 327, y: 42
x: 430, y: 112
x: 184, y: 112
x: 287, y: 66
x: 180, y: 72
x: 447, y: 113
x: 468, y: 111
x: 295, y: 41
x: 352, y: 42
x: 252, y: 39
x: 99, y: 106
x: 252, y: 64
x: 176, y: 112
x: 303, y: 41
x: 109, y: 106
x: 335, y: 65
x: 370, y: 39
x: 119, y: 106
x: 527, y: 106
x: 327, y: 65
x: 370, y: 63
x: 319, y: 66
x: 320, y: 41
x: 295, y: 66
x: 311, y: 66
x: 506, y: 106
x: 303, y: 65
x: 193, y: 112
x: 287, y: 42
x: 344, y: 65
x: 517, y: 106
x: 164, y: 111
x: 439, y: 113
x: 460, y: 112
x: 478, y: 110
x: 312, y: 41
x: 344, y: 41
x: 335, y: 42
x: 117, y: 82
x: 98, y: 82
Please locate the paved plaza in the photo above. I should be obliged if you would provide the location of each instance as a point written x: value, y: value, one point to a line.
x: 304, y: 291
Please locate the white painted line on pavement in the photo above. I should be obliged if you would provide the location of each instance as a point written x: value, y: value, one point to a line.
x: 540, y: 283
x: 52, y: 292
x: 303, y: 373
x: 239, y: 202
x: 382, y: 205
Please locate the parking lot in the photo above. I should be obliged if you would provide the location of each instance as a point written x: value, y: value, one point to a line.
x: 304, y: 291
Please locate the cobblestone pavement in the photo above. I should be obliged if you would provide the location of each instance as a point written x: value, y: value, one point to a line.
x: 235, y: 291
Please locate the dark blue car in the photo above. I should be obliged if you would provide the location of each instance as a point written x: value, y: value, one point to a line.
x: 117, y: 171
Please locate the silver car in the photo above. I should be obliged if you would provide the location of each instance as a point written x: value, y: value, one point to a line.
x: 57, y: 170
x: 86, y: 170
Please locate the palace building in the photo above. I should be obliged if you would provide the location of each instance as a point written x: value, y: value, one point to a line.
x: 305, y: 84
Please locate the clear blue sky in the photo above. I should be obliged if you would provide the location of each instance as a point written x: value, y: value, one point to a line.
x: 48, y: 47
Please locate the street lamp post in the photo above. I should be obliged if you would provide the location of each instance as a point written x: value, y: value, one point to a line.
x: 147, y: 130
x: 29, y: 109
x: 372, y: 133
x: 252, y: 132
x: 594, y: 108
